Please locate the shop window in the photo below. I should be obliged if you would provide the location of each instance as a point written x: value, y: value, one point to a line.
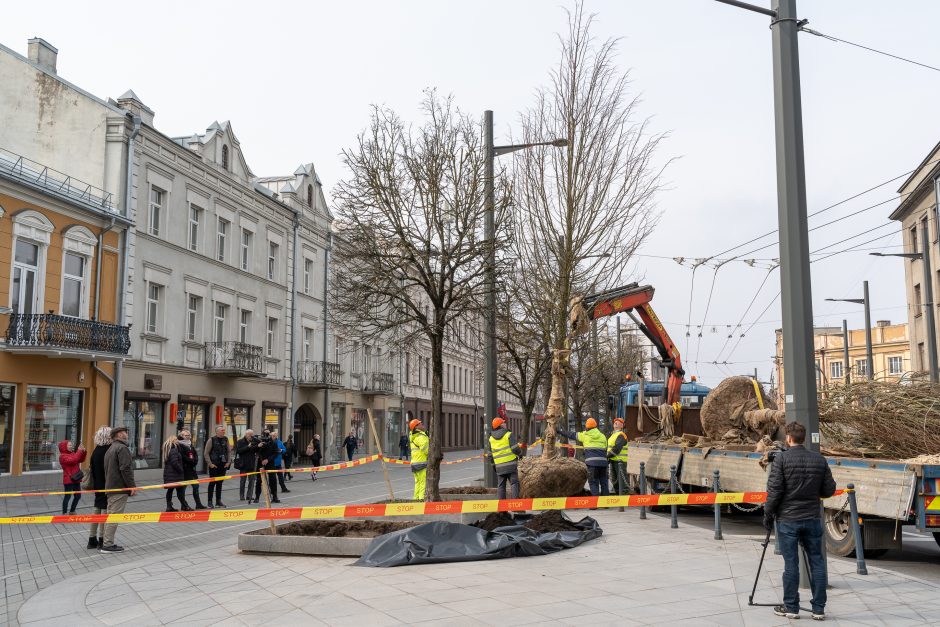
x: 7, y: 406
x: 144, y: 422
x: 52, y: 415
x: 272, y: 420
x: 237, y: 418
x: 192, y: 417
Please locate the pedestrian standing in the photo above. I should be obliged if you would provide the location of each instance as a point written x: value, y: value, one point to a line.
x: 218, y: 453
x: 289, y: 454
x: 70, y: 460
x: 279, y: 460
x: 119, y: 475
x: 316, y: 455
x: 267, y: 453
x: 173, y: 473
x: 190, y: 465
x: 595, y: 455
x: 617, y: 448
x: 419, y: 442
x: 504, y: 449
x: 351, y: 443
x: 798, y: 479
x: 403, y: 447
x: 96, y: 481
x: 246, y: 462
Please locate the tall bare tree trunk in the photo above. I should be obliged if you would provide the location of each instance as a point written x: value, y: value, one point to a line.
x: 436, y: 428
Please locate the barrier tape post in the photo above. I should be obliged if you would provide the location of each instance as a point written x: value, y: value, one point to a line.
x: 716, y: 474
x: 674, y: 509
x: 643, y: 489
x: 267, y: 497
x: 860, y: 567
x: 378, y: 446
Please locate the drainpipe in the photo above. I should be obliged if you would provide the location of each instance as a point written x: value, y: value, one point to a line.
x: 125, y: 255
x: 327, y: 414
x: 293, y: 326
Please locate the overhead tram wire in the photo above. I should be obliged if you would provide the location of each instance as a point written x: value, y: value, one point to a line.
x: 749, y: 305
x: 875, y: 50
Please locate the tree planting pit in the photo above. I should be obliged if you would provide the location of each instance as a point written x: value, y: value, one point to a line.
x: 335, y: 538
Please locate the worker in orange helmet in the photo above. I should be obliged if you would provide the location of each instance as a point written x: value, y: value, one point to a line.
x: 504, y: 450
x: 595, y: 455
x: 419, y: 441
x: 617, y: 454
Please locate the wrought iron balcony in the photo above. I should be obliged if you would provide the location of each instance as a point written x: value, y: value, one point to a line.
x: 378, y: 383
x: 51, y: 334
x: 319, y: 374
x: 235, y: 358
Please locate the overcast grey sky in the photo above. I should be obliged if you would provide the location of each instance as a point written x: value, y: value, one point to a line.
x: 296, y: 79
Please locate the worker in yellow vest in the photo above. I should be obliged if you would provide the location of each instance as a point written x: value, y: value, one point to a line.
x: 617, y: 448
x: 595, y: 455
x: 504, y: 450
x: 419, y: 441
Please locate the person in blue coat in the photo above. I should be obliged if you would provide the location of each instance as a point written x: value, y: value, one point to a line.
x: 279, y: 460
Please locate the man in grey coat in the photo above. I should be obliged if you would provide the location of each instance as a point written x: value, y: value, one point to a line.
x: 118, y: 473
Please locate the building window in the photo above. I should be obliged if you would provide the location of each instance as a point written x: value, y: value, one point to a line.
x: 407, y: 368
x: 237, y: 419
x: 310, y: 195
x: 225, y: 157
x: 272, y: 420
x: 272, y: 260
x: 246, y: 250
x: 218, y: 322
x: 308, y: 343
x: 914, y: 247
x: 144, y: 422
x: 895, y: 365
x: 52, y: 415
x: 918, y: 303
x: 835, y: 369
x: 193, y: 317
x: 157, y: 198
x: 25, y: 278
x: 221, y: 235
x: 272, y: 335
x: 308, y: 275
x: 73, y: 285
x: 195, y: 218
x: 244, y: 327
x: 861, y: 367
x: 154, y: 306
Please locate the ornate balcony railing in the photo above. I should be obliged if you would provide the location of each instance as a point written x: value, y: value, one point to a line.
x: 378, y: 383
x: 323, y: 374
x: 234, y: 358
x: 51, y: 332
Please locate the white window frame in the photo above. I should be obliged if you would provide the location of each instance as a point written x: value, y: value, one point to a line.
x: 861, y: 367
x: 895, y: 359
x: 244, y: 259
x: 39, y: 275
x: 193, y: 317
x: 219, y: 320
x: 271, y: 336
x: 244, y: 326
x: 307, y: 343
x: 273, y: 250
x: 308, y: 275
x: 221, y: 238
x: 82, y: 282
x: 153, y: 315
x: 195, y: 225
x: 835, y: 370
x: 155, y: 216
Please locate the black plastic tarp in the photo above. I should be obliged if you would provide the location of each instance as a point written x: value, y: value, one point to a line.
x: 444, y: 541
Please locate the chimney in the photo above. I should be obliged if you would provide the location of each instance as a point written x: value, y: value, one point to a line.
x: 43, y: 54
x: 883, y: 323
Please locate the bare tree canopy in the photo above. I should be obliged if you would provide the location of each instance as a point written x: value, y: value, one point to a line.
x: 410, y: 250
x: 583, y: 210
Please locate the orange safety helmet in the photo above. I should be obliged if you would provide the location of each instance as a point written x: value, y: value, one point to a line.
x: 616, y: 420
x: 414, y: 424
x: 591, y: 423
x: 498, y: 422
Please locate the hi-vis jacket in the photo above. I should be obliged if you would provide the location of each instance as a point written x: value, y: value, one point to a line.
x: 505, y: 450
x: 594, y: 443
x: 617, y: 447
x: 419, y: 450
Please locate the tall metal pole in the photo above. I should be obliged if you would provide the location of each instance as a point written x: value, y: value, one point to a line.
x: 845, y: 351
x: 795, y: 283
x: 595, y: 406
x: 618, y: 347
x: 929, y: 309
x: 489, y: 349
x: 869, y: 357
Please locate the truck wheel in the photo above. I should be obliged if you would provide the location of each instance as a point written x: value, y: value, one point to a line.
x: 840, y: 540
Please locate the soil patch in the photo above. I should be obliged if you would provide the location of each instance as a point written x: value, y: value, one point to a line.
x: 339, y: 529
x: 545, y: 478
x: 552, y: 520
x: 469, y: 490
x: 495, y: 520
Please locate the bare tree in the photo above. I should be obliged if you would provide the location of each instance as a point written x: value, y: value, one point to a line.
x: 585, y: 209
x: 411, y: 250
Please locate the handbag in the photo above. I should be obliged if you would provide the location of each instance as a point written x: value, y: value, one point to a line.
x: 77, y: 476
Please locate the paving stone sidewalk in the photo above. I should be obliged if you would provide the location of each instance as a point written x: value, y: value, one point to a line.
x: 638, y: 573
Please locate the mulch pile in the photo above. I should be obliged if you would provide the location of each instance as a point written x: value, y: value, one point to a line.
x: 546, y: 522
x: 494, y: 521
x: 340, y: 529
x: 545, y: 478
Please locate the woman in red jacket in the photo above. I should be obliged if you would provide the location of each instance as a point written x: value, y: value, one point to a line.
x: 70, y: 460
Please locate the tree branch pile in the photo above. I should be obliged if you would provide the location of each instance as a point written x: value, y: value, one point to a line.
x: 880, y: 419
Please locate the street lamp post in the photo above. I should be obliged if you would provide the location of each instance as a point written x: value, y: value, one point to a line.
x: 869, y: 358
x: 924, y: 256
x: 489, y: 349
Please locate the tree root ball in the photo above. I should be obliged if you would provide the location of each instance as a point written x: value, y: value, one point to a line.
x: 725, y: 405
x: 545, y: 478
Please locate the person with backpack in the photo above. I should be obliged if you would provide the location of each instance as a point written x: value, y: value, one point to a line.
x: 173, y: 473
x: 315, y: 455
x: 71, y: 462
x: 95, y: 481
x: 218, y: 453
x: 190, y: 463
x: 246, y: 462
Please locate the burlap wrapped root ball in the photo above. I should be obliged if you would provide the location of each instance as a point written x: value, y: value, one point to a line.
x: 765, y: 422
x: 544, y: 478
x: 725, y: 405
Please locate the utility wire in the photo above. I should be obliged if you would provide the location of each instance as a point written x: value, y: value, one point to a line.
x: 875, y: 50
x: 749, y: 305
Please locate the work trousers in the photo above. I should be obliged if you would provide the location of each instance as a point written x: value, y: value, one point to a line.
x: 512, y: 479
x: 597, y: 480
x: 618, y: 477
x: 70, y: 487
x: 116, y: 503
x: 97, y: 529
x: 809, y: 533
x: 215, y: 487
x: 421, y: 477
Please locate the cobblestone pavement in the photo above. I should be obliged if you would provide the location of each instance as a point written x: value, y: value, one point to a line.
x: 649, y: 575
x: 34, y: 557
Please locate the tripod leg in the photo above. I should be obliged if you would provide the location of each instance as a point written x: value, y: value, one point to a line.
x: 750, y: 599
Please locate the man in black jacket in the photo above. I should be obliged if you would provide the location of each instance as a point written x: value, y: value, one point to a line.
x: 267, y: 453
x: 798, y: 480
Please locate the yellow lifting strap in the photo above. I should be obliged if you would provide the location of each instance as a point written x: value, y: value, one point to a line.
x: 760, y: 397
